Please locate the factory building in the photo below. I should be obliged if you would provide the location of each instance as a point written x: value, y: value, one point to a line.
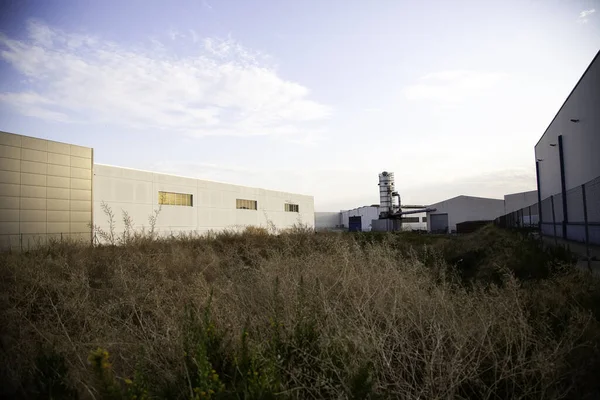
x: 55, y: 190
x: 449, y: 213
x: 568, y: 164
x: 361, y: 219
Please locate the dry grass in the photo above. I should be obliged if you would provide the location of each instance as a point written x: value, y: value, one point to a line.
x: 486, y: 316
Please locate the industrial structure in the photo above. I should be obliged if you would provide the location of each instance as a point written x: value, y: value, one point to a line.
x: 568, y: 164
x: 388, y: 215
x: 55, y: 190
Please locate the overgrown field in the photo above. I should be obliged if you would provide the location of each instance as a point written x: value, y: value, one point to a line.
x: 300, y: 315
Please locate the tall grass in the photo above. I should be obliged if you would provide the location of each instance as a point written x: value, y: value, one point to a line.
x: 300, y: 315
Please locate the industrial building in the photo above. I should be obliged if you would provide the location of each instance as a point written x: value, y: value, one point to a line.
x: 55, y: 190
x: 389, y: 215
x: 449, y: 213
x: 361, y: 219
x: 568, y: 164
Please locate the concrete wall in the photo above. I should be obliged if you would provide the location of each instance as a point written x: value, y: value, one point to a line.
x: 467, y: 208
x: 214, y: 204
x: 327, y: 220
x: 581, y: 140
x: 45, y: 191
x: 517, y: 201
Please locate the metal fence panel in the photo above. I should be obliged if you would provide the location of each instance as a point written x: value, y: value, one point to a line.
x: 575, y: 205
x: 592, y: 193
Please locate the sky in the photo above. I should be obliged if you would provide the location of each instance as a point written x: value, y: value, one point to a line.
x: 312, y: 97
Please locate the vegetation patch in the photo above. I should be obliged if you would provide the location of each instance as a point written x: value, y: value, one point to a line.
x: 298, y: 315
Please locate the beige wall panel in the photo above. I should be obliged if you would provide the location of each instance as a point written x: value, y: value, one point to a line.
x: 34, y: 144
x: 60, y: 148
x: 9, y: 216
x: 33, y: 179
x: 8, y: 189
x: 33, y: 167
x: 81, y: 216
x: 57, y: 227
x: 59, y: 182
x: 57, y: 204
x: 81, y: 194
x: 57, y: 216
x: 9, y: 228
x: 81, y: 205
x: 9, y: 139
x: 10, y: 152
x: 79, y: 151
x: 34, y: 155
x: 32, y: 216
x: 10, y: 177
x: 30, y: 242
x: 59, y: 170
x: 81, y: 173
x: 7, y: 202
x: 32, y: 204
x: 33, y: 227
x: 59, y: 159
x: 79, y: 162
x: 10, y: 164
x: 84, y: 184
x: 33, y: 191
x: 80, y: 227
x: 58, y: 193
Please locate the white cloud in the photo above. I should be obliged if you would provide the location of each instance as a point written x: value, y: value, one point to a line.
x: 224, y: 89
x: 453, y: 86
x: 583, y: 16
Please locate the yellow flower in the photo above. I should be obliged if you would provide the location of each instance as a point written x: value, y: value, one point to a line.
x: 128, y: 381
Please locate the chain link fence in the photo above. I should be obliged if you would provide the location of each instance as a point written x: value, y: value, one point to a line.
x: 577, y: 220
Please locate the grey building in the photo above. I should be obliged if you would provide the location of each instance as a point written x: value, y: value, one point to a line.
x: 462, y: 209
x: 568, y: 164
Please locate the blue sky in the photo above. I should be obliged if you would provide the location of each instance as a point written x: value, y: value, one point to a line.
x: 315, y: 97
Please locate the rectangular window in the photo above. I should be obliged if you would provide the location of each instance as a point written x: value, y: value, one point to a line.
x: 242, y: 204
x: 424, y: 219
x: 175, y: 199
x: 292, y: 207
x: 410, y: 220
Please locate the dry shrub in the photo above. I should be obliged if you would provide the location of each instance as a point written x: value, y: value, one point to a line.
x: 298, y: 315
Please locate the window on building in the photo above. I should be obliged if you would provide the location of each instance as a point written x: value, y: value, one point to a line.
x: 242, y: 204
x: 424, y: 219
x: 175, y: 199
x: 292, y: 207
x: 410, y: 220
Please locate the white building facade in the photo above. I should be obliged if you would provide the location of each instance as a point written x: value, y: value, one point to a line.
x: 193, y: 205
x: 52, y: 190
x: 568, y: 164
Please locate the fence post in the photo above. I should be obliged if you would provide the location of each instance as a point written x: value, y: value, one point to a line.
x: 553, y: 219
x: 587, y: 232
x: 563, y: 187
x: 529, y: 211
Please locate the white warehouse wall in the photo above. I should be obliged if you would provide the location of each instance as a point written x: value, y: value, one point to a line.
x: 367, y: 214
x: 467, y: 208
x: 327, y: 220
x: 581, y: 140
x: 517, y: 201
x: 214, y: 204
